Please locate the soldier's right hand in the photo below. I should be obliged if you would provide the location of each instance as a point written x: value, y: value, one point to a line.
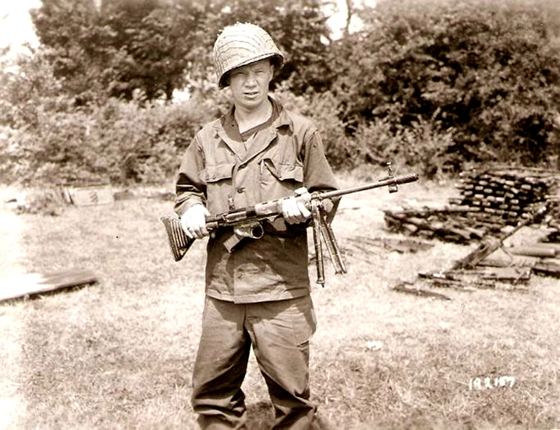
x: 193, y: 222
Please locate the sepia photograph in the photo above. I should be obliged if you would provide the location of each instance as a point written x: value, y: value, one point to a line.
x: 280, y: 214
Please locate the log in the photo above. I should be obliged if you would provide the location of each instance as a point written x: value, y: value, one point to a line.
x: 505, y: 274
x: 39, y: 283
x: 551, y: 245
x: 516, y: 260
x: 533, y: 251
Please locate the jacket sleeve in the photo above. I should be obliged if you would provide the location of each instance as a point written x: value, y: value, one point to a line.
x: 318, y: 174
x: 190, y: 189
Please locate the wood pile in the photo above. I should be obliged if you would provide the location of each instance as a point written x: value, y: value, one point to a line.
x: 489, y: 201
x: 508, y: 267
x: 507, y: 194
x: 492, y: 206
x: 458, y: 224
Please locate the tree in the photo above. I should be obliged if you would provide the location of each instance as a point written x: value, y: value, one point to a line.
x: 484, y: 69
x: 157, y: 46
x: 298, y: 27
x: 125, y: 45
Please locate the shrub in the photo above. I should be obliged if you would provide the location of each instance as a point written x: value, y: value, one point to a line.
x: 487, y: 70
x: 118, y: 142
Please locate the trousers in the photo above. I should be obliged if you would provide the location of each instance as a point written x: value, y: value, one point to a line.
x: 279, y: 334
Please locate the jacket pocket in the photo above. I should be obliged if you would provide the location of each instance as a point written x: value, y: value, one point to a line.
x: 283, y: 171
x: 219, y: 182
x: 217, y: 173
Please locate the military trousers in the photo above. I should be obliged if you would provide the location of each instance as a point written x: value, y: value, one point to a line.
x: 279, y: 334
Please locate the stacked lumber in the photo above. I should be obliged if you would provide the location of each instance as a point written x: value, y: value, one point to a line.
x: 490, y: 200
x: 493, y: 204
x: 506, y: 194
x: 458, y: 224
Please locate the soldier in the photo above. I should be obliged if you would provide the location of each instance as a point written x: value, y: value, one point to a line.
x: 257, y: 290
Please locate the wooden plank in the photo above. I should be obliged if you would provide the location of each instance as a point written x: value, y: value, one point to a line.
x: 37, y: 283
x: 506, y: 274
x: 547, y: 269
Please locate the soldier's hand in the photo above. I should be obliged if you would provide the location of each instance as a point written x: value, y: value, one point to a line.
x: 294, y: 210
x: 193, y: 222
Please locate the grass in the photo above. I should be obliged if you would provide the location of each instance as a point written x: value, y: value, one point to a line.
x: 118, y: 354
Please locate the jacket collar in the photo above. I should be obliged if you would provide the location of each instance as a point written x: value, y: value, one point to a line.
x: 284, y: 118
x: 238, y: 147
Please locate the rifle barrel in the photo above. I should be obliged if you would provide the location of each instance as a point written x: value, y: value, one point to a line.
x: 382, y: 183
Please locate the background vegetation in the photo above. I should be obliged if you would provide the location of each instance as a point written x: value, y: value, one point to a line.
x: 434, y: 84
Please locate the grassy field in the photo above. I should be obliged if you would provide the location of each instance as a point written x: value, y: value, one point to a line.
x: 118, y: 354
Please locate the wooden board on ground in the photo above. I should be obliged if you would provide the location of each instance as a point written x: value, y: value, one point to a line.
x: 37, y: 283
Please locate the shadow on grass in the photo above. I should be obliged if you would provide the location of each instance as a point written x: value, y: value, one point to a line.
x: 260, y: 416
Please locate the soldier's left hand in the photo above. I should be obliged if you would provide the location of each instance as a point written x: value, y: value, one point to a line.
x: 294, y: 209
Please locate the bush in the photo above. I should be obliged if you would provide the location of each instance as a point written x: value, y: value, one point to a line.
x: 486, y: 70
x: 422, y: 144
x: 118, y: 142
x: 322, y: 109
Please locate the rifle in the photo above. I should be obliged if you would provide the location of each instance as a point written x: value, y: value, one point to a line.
x: 490, y: 244
x: 246, y: 222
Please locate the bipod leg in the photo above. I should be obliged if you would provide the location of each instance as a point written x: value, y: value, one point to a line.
x: 315, y: 213
x: 330, y: 242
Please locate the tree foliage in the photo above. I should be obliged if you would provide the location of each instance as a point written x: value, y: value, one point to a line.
x: 484, y: 69
x: 157, y: 46
x: 124, y: 46
x: 46, y: 139
x: 434, y: 84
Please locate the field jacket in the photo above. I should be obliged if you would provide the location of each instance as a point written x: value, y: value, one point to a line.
x: 222, y: 174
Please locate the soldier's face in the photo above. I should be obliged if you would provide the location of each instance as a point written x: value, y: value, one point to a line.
x: 249, y: 84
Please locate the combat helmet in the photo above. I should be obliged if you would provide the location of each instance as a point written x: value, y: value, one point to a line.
x: 241, y: 44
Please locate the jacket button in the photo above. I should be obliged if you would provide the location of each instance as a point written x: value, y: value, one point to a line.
x: 241, y: 190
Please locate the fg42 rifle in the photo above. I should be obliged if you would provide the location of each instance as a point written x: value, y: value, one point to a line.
x: 247, y: 222
x: 487, y: 247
